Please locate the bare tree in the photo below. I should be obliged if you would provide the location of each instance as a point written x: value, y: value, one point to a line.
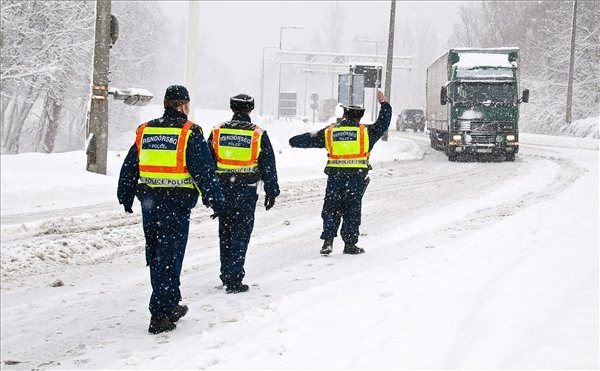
x: 329, y: 38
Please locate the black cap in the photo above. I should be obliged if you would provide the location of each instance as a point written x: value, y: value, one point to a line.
x: 177, y: 92
x: 241, y: 103
x: 354, y: 112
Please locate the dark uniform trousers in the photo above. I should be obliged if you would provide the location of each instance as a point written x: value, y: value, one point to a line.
x: 235, y: 227
x: 166, y: 221
x: 343, y: 201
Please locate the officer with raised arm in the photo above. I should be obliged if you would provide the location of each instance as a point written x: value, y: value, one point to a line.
x: 348, y: 145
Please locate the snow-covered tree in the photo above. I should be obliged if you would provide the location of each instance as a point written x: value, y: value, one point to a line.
x: 542, y: 30
x: 44, y: 54
x: 46, y: 66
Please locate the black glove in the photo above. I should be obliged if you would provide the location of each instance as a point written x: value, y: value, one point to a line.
x: 269, y: 202
x: 205, y: 200
x: 128, y: 209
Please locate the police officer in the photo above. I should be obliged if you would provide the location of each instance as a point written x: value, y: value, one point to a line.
x: 165, y: 168
x: 348, y: 145
x: 243, y: 156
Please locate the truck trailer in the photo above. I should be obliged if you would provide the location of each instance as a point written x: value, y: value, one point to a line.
x: 472, y: 103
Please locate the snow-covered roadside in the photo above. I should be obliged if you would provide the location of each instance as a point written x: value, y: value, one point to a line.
x: 584, y: 128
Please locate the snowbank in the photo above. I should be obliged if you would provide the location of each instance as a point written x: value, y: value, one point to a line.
x: 36, y: 181
x: 584, y: 128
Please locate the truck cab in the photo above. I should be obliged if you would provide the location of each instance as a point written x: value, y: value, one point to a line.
x: 482, y: 103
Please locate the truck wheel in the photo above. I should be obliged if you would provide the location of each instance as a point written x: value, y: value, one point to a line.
x: 510, y: 157
x: 433, y: 140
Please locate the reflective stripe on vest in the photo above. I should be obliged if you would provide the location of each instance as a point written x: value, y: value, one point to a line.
x: 161, y: 154
x: 347, y: 146
x: 237, y: 150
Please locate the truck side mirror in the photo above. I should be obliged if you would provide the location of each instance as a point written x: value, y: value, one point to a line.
x: 443, y: 96
x: 525, y: 96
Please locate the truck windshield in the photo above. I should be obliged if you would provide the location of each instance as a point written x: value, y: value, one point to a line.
x: 485, y: 93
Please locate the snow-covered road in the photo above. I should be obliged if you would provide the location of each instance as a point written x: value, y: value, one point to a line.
x: 485, y: 265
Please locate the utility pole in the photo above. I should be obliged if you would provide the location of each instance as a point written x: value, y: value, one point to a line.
x: 97, y: 140
x: 571, y: 66
x: 390, y: 59
x: 191, y: 81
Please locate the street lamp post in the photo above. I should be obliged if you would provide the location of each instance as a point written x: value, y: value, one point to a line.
x: 262, y: 78
x: 376, y: 82
x: 280, y: 48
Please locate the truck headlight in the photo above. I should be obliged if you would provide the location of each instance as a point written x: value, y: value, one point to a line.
x: 510, y: 137
x: 468, y: 138
x: 457, y: 137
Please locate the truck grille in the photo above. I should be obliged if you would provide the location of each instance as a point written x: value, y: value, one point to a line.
x: 483, y: 138
x: 483, y: 126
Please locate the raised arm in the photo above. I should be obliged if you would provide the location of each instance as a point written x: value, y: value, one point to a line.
x: 383, y: 120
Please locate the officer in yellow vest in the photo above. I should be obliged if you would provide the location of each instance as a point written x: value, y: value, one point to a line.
x: 243, y: 156
x: 348, y: 145
x: 166, y: 168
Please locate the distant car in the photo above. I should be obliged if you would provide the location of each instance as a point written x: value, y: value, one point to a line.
x: 411, y: 119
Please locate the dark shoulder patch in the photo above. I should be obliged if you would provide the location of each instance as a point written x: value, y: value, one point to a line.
x: 196, y: 129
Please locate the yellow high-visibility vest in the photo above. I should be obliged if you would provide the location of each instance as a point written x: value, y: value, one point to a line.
x: 347, y: 146
x: 162, y: 158
x: 237, y: 150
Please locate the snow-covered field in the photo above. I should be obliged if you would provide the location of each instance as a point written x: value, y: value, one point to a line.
x: 468, y: 265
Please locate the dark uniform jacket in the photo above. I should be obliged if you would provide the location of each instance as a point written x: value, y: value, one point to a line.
x: 317, y: 140
x: 199, y: 165
x: 266, y: 159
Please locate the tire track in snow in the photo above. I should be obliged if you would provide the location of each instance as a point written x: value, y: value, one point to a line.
x: 88, y: 237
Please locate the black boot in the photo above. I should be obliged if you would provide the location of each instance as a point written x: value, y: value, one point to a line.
x: 160, y: 324
x: 236, y: 288
x: 179, y: 312
x: 353, y: 249
x: 327, y: 247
